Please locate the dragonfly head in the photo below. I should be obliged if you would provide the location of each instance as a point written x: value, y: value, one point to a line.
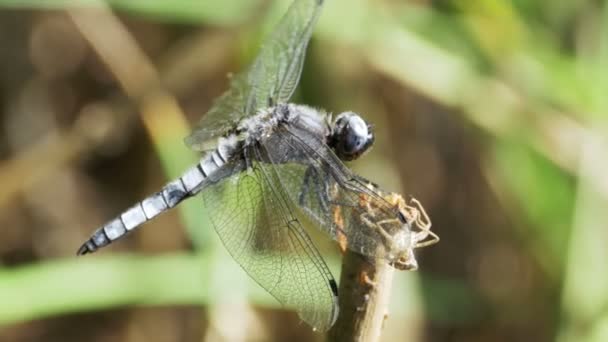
x: 351, y: 136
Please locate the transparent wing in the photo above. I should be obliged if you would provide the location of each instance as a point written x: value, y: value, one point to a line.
x: 252, y: 217
x: 221, y: 118
x: 276, y: 71
x: 271, y: 78
x: 346, y: 207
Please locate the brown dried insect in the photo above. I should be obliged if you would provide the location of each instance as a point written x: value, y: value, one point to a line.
x: 399, y: 238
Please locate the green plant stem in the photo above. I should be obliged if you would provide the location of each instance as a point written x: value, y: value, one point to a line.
x: 71, y: 285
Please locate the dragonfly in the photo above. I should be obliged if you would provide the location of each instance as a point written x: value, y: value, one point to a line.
x: 270, y: 168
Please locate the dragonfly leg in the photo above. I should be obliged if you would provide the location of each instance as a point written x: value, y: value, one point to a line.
x: 311, y: 176
x: 305, y: 185
x: 324, y: 196
x: 333, y: 200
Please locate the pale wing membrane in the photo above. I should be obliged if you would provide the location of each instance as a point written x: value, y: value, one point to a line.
x: 252, y: 217
x: 222, y: 117
x: 271, y: 78
x: 327, y: 191
x: 276, y: 71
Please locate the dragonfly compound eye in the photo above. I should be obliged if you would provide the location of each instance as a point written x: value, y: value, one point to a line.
x: 351, y: 136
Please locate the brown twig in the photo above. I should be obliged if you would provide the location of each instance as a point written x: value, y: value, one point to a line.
x: 364, y: 295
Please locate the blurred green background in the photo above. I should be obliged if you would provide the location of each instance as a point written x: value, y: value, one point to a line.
x: 492, y: 113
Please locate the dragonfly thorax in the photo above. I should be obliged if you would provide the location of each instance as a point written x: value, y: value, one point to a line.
x: 262, y: 125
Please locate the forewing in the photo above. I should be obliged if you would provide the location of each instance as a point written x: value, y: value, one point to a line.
x: 222, y: 117
x: 333, y: 196
x: 252, y: 217
x: 271, y: 78
x: 276, y: 71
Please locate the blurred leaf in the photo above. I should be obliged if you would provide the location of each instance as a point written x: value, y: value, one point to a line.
x: 450, y: 301
x: 544, y: 194
x: 183, y: 11
x: 585, y: 298
x: 59, y: 287
x: 85, y: 284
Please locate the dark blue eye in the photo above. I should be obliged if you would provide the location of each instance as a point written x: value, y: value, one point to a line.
x: 351, y: 136
x: 353, y: 143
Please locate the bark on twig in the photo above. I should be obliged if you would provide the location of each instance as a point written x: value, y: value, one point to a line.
x: 363, y: 297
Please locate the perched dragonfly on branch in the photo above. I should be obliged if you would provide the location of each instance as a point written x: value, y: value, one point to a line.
x: 269, y: 164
